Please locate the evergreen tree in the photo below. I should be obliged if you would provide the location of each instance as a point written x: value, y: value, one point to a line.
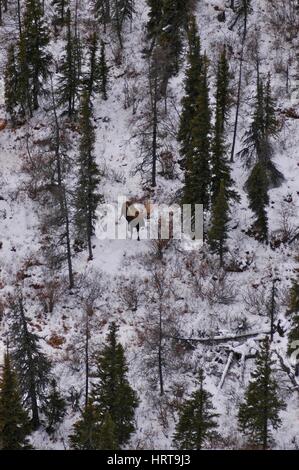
x: 11, y: 77
x: 86, y: 430
x: 60, y: 7
x: 113, y: 393
x: 14, y: 421
x: 103, y: 72
x: 151, y: 126
x: 57, y: 217
x: 94, y: 431
x: 242, y: 9
x: 24, y: 90
x: 254, y: 138
x: 31, y: 365
x: 197, y: 422
x: 258, y: 200
x: 69, y: 82
x: 121, y: 11
x: 36, y: 39
x: 192, y: 88
x: 197, y: 166
x: 108, y: 434
x: 93, y: 75
x: 97, y: 76
x: 87, y: 198
x: 257, y: 140
x: 102, y: 12
x: 259, y: 414
x: 171, y: 38
x: 271, y: 123
x: 54, y: 408
x: 155, y: 16
x: 219, y: 162
x: 220, y: 218
x: 27, y: 62
x: 223, y: 97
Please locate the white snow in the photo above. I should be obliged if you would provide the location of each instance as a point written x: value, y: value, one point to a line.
x: 120, y: 261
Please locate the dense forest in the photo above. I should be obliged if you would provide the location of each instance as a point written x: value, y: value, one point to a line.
x: 149, y: 343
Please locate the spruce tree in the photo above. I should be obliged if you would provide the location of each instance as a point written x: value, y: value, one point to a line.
x: 121, y: 11
x: 68, y: 85
x: 197, y: 423
x: 257, y: 145
x: 171, y: 38
x: 54, y: 408
x: 108, y: 434
x: 257, y: 188
x: 219, y: 162
x: 259, y: 414
x: 271, y: 123
x: 94, y: 431
x: 14, y: 421
x: 103, y: 72
x: 112, y: 393
x: 93, y: 74
x: 23, y: 96
x: 223, y: 94
x: 57, y: 218
x: 11, y: 78
x: 155, y: 16
x: 31, y: 365
x: 242, y: 9
x: 253, y: 140
x: 197, y: 167
x: 192, y: 88
x: 97, y: 75
x: 103, y: 12
x: 220, y: 217
x: 60, y: 7
x: 87, y: 197
x: 85, y: 434
x: 275, y: 177
x: 36, y: 39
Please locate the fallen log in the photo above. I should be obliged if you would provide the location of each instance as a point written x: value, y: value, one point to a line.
x: 295, y: 237
x: 220, y: 339
x: 227, y: 367
x: 287, y: 369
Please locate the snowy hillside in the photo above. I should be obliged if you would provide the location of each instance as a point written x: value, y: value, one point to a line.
x: 176, y: 303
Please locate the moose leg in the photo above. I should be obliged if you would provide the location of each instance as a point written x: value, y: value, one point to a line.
x: 138, y: 230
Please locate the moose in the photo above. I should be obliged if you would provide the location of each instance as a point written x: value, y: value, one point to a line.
x: 135, y: 212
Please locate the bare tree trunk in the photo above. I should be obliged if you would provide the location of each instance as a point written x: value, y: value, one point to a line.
x: 155, y: 125
x: 89, y: 215
x: 160, y: 353
x: 273, y: 308
x: 86, y: 360
x: 239, y: 86
x: 63, y: 198
x: 238, y: 104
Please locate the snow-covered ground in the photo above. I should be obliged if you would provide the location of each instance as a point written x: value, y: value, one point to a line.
x: 117, y: 262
